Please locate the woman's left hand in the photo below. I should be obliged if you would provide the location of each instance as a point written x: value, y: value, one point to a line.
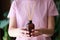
x: 35, y: 32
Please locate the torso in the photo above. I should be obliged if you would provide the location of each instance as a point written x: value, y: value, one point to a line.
x: 39, y: 17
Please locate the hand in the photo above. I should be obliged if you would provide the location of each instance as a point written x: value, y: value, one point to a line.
x: 24, y: 33
x: 36, y: 32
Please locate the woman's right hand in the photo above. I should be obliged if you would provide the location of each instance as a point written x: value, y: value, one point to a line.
x: 24, y: 32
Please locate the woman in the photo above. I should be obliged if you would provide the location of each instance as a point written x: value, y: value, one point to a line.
x: 41, y: 12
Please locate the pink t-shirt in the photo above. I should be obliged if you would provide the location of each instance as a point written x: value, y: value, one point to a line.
x: 43, y: 9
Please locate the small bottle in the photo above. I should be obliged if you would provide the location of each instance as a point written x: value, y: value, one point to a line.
x: 30, y: 27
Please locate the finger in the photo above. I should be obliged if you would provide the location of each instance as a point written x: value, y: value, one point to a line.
x: 25, y: 35
x: 38, y: 30
x: 25, y: 32
x: 32, y: 29
x: 28, y: 35
x: 32, y: 34
x: 24, y: 29
x: 36, y: 33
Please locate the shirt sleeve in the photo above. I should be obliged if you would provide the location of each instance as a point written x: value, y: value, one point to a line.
x: 12, y: 11
x: 52, y: 10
